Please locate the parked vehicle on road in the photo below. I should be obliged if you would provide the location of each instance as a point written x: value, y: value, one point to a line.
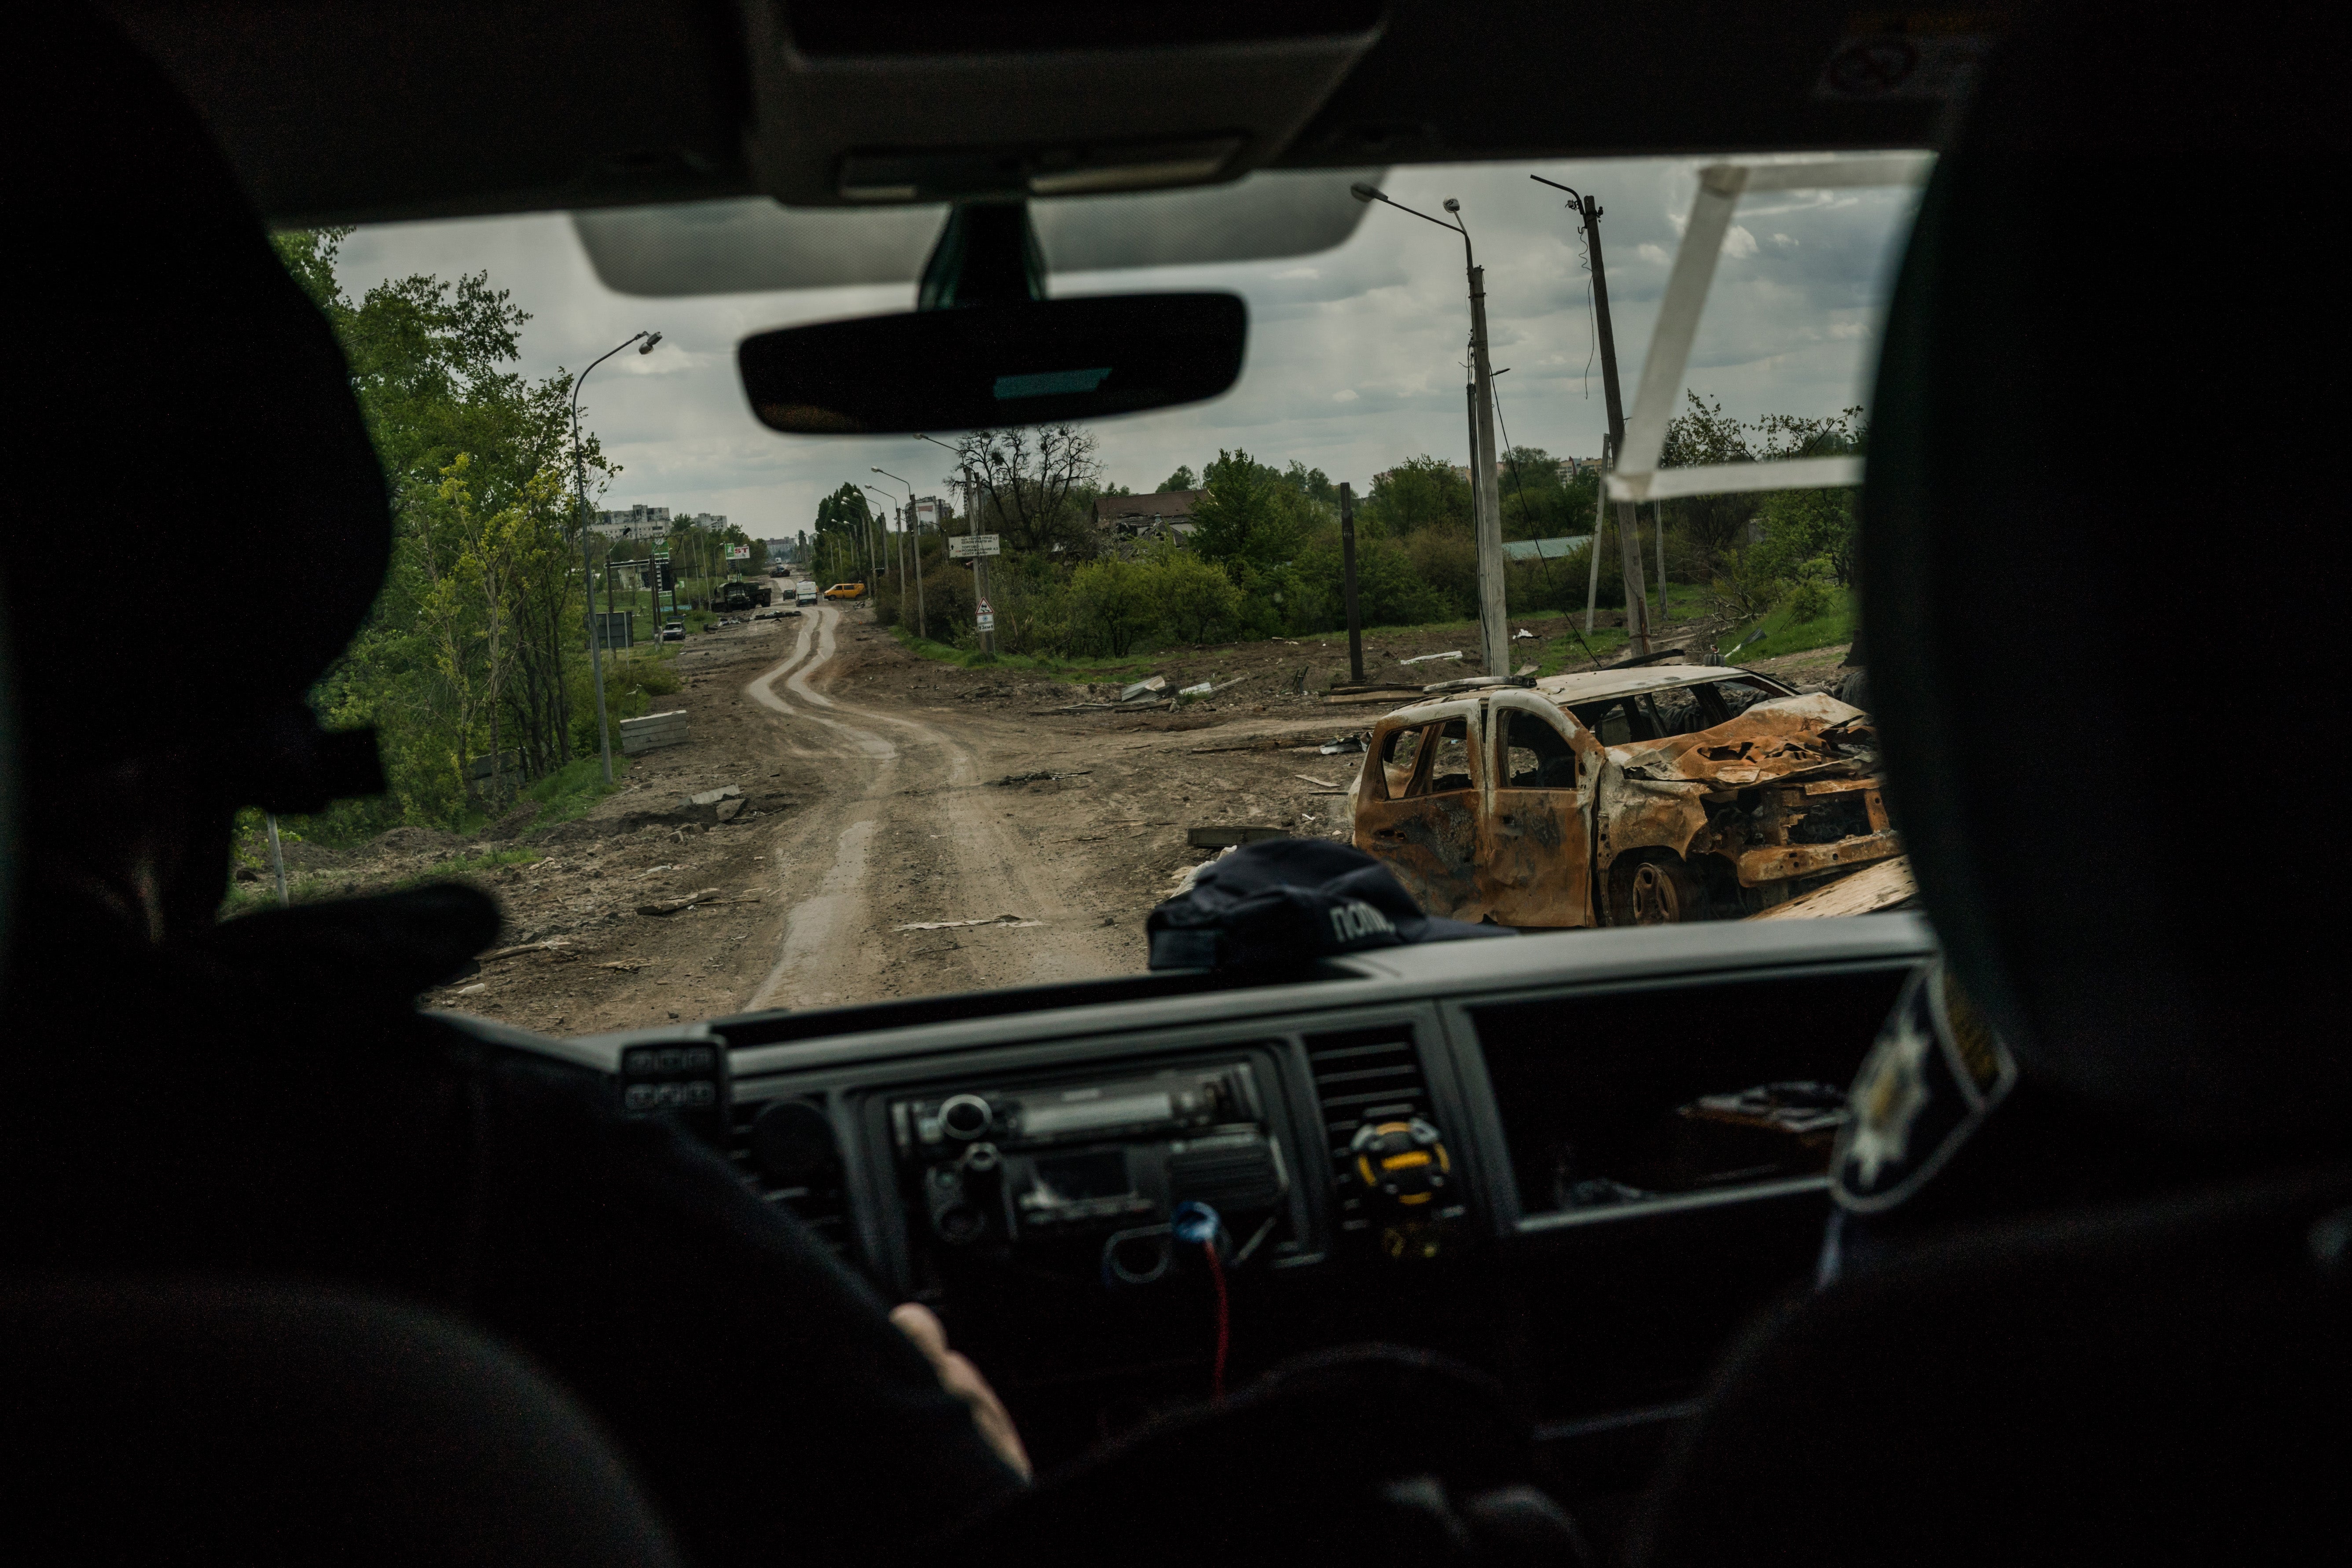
x: 806, y: 593
x: 846, y: 591
x: 1646, y: 796
x: 673, y: 631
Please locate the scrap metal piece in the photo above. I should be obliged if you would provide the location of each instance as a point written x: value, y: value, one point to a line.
x: 1225, y: 837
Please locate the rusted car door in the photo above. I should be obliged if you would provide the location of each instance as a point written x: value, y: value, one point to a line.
x: 1417, y: 808
x: 1535, y: 850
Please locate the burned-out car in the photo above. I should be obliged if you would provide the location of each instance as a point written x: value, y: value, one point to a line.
x: 1623, y: 797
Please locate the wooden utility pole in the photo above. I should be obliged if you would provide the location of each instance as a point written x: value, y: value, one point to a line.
x: 1348, y: 566
x: 1629, y: 544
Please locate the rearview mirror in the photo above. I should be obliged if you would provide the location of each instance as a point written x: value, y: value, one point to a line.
x: 978, y: 366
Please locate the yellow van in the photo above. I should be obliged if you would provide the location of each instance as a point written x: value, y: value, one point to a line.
x: 846, y: 591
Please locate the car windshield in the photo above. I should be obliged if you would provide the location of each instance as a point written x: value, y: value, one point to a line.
x: 734, y: 721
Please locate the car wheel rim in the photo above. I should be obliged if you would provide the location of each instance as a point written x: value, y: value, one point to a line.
x: 1655, y: 900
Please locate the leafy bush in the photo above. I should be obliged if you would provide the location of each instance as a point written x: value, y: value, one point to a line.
x: 1446, y: 561
x: 1112, y: 603
x: 1745, y: 586
x: 1196, y: 599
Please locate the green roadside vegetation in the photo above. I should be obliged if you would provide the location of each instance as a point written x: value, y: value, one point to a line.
x: 572, y: 791
x: 1782, y: 631
x: 252, y: 898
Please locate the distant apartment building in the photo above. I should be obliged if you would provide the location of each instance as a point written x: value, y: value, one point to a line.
x: 642, y: 524
x: 651, y: 525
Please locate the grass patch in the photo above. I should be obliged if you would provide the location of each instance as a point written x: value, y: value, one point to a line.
x: 1779, y: 633
x: 252, y: 898
x: 1072, y: 669
x: 571, y: 790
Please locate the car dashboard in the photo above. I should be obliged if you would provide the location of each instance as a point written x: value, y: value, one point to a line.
x: 1576, y: 1162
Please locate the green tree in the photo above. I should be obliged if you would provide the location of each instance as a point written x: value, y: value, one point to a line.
x: 844, y: 526
x: 1181, y: 480
x: 1113, y: 603
x: 478, y: 628
x: 1538, y: 503
x: 1195, y: 597
x: 1420, y: 492
x: 1248, y: 519
x: 1389, y: 591
x: 1037, y: 485
x: 1312, y: 483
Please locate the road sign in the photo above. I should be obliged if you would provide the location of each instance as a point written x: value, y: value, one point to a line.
x: 963, y: 544
x: 987, y: 616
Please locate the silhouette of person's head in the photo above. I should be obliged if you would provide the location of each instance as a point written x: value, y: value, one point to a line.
x: 199, y: 521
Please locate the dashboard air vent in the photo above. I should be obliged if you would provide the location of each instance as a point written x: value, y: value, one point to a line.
x: 784, y: 1150
x: 1363, y: 1075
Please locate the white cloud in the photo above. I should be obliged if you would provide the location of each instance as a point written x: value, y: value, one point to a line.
x: 1738, y: 243
x: 1354, y: 359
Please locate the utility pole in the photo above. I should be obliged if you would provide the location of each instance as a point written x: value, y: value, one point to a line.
x: 1658, y: 522
x: 1629, y: 544
x: 1599, y: 526
x: 1484, y: 494
x: 915, y: 533
x: 1348, y: 565
x: 1486, y: 500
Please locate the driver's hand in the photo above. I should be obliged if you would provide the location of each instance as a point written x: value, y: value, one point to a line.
x: 961, y: 1378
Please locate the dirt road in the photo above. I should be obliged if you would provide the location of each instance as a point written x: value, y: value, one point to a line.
x: 906, y: 827
x: 908, y: 835
x: 901, y: 827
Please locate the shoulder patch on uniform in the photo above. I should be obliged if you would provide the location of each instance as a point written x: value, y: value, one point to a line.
x: 1936, y: 1072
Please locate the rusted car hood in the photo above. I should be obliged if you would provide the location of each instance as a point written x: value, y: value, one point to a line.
x: 1787, y: 740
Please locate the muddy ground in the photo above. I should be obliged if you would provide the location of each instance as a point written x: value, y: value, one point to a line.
x: 872, y: 848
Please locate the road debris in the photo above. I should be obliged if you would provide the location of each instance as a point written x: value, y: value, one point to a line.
x: 1433, y: 658
x: 1342, y: 745
x: 676, y: 905
x: 1013, y: 920
x: 1041, y: 775
x: 550, y: 944
x: 1227, y: 836
x: 1885, y: 886
x: 1325, y: 785
x: 1149, y: 686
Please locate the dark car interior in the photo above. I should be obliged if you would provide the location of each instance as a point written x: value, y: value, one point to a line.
x: 1610, y: 1189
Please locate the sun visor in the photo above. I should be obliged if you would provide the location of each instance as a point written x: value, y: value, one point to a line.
x: 755, y: 246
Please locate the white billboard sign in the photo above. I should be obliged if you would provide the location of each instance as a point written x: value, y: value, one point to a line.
x: 963, y: 544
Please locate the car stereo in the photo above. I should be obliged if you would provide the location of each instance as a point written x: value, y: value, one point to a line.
x: 1027, y: 1164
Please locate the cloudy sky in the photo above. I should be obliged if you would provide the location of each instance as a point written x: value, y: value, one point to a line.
x: 1356, y: 353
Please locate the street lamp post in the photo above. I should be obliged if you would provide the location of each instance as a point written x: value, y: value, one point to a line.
x: 971, y: 526
x: 1629, y: 544
x: 913, y: 534
x: 893, y: 556
x: 644, y: 341
x: 1486, y: 502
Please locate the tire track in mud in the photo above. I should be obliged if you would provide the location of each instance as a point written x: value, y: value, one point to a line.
x: 839, y: 941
